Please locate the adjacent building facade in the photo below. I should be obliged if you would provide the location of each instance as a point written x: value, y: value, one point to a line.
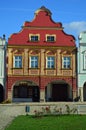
x: 41, y: 62
x: 82, y: 66
x: 2, y: 68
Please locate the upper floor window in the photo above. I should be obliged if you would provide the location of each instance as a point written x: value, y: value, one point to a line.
x: 85, y: 60
x: 50, y: 38
x: 34, y: 37
x: 17, y: 62
x: 50, y: 63
x: 66, y: 63
x: 34, y: 62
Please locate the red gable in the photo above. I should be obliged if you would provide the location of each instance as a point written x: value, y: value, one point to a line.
x: 42, y: 25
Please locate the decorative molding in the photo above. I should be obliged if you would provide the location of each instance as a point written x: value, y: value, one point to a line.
x: 33, y: 52
x: 17, y: 51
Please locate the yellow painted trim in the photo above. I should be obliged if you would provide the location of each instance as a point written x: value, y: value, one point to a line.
x: 42, y: 47
x: 44, y: 76
x: 43, y: 28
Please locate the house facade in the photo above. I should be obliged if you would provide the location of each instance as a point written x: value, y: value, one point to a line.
x: 41, y: 61
x: 82, y: 66
x: 2, y: 68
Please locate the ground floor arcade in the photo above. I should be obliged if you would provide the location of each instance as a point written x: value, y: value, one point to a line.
x: 82, y: 92
x: 52, y: 90
x: 82, y: 87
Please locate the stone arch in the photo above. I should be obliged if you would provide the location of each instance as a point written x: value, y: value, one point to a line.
x: 1, y: 93
x: 58, y: 90
x: 25, y: 91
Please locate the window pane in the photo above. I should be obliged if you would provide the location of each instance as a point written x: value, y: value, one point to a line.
x: 18, y: 61
x: 50, y: 38
x: 34, y: 62
x: 66, y: 62
x: 34, y: 38
x: 50, y: 62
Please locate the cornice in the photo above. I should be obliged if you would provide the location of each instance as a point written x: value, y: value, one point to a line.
x: 41, y: 76
x: 43, y: 28
x: 41, y: 47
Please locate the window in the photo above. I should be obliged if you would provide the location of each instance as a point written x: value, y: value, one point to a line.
x: 17, y: 61
x: 50, y: 62
x: 34, y: 62
x: 66, y: 62
x: 85, y: 60
x: 50, y: 38
x: 34, y: 37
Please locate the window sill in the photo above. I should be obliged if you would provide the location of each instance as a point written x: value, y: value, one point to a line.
x: 33, y: 68
x: 50, y: 41
x: 33, y: 41
x: 66, y: 69
x: 16, y: 68
x: 49, y: 69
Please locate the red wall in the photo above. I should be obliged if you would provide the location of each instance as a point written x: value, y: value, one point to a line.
x: 42, y: 82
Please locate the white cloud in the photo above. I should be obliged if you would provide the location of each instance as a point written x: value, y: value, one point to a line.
x: 75, y: 27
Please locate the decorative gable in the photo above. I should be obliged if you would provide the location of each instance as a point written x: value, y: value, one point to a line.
x: 42, y: 24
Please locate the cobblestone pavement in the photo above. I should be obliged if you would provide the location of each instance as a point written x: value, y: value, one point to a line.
x: 8, y: 113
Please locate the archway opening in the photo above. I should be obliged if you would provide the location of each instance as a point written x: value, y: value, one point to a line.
x: 1, y: 93
x: 58, y: 91
x: 84, y: 92
x: 25, y: 91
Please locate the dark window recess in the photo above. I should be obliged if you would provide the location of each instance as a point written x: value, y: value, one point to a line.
x: 50, y: 38
x: 34, y: 38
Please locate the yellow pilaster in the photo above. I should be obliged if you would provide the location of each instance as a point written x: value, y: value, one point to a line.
x: 10, y: 61
x: 58, y: 64
x: 25, y: 63
x: 42, y: 62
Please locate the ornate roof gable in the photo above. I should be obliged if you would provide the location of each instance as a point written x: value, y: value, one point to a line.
x: 42, y: 24
x: 42, y: 19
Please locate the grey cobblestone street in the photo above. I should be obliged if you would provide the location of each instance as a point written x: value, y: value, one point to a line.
x: 8, y: 113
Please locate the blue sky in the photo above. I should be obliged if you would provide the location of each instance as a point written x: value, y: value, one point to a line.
x: 71, y: 13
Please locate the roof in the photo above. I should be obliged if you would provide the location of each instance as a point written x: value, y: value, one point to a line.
x: 42, y: 24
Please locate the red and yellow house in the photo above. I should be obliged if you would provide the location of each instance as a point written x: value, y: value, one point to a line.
x: 41, y: 61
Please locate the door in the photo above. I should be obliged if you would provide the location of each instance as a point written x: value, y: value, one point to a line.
x: 59, y: 92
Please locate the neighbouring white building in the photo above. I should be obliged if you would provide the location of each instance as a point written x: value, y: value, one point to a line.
x: 82, y: 66
x: 2, y: 68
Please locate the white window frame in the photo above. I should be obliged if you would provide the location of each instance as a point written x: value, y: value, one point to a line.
x: 19, y: 60
x: 34, y: 60
x: 50, y: 62
x: 66, y: 62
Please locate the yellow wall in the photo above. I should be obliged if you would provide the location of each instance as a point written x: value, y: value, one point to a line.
x: 42, y: 53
